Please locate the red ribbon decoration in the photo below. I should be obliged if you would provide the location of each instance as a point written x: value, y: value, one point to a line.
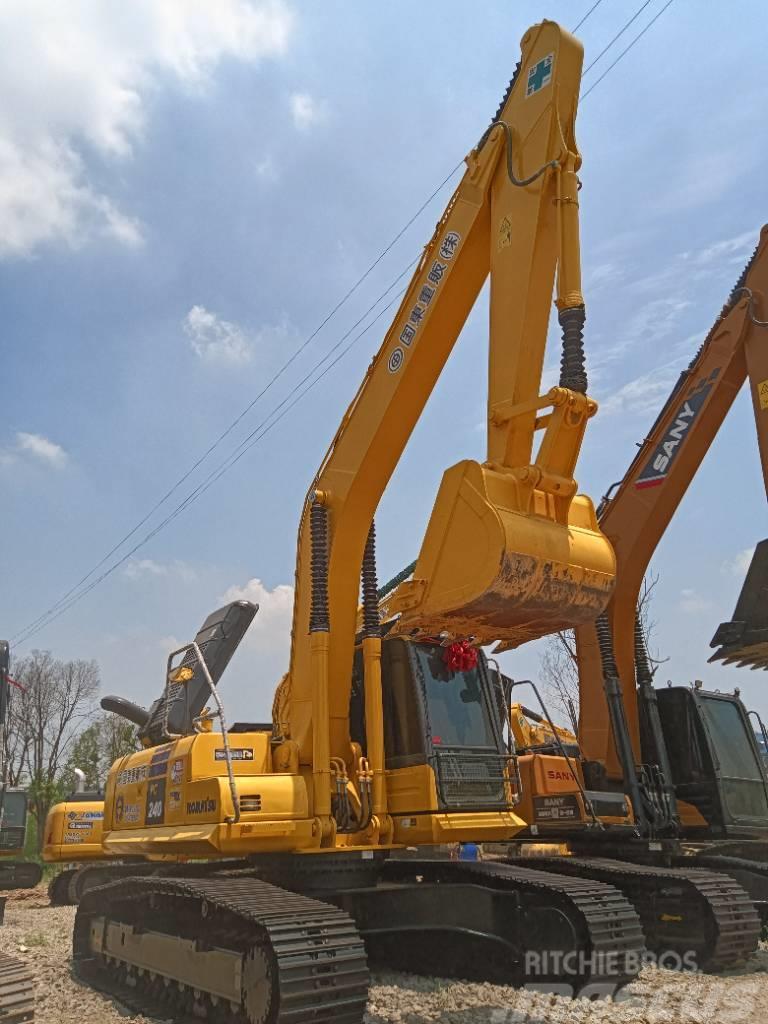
x: 460, y: 656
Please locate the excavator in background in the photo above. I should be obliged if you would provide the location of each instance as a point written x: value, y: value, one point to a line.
x: 17, y: 984
x: 687, y: 758
x: 74, y: 827
x: 389, y: 736
x: 14, y: 874
x: 73, y: 831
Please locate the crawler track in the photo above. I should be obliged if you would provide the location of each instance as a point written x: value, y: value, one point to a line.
x: 230, y: 949
x: 17, y: 991
x: 751, y: 875
x: 19, y: 874
x: 567, y: 931
x: 58, y: 888
x: 69, y: 886
x: 694, y: 911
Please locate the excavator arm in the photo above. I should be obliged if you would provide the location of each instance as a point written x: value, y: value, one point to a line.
x: 639, y: 512
x: 510, y: 552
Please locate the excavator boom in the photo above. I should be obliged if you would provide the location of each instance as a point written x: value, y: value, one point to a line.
x: 510, y: 553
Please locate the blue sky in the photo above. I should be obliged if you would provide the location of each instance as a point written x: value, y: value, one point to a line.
x: 187, y: 189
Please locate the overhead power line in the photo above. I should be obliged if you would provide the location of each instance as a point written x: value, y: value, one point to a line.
x: 266, y: 425
x: 628, y: 48
x: 592, y: 8
x: 75, y: 594
x: 238, y: 419
x: 618, y: 36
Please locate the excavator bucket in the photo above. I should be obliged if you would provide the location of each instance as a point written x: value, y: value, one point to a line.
x: 744, y: 640
x: 499, y: 564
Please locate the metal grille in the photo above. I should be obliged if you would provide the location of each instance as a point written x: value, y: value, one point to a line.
x: 250, y: 803
x: 12, y: 837
x: 470, y: 780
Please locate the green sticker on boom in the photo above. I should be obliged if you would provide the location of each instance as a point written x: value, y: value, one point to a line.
x: 540, y: 75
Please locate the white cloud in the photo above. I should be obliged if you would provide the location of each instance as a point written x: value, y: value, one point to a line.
x: 216, y: 340
x: 275, y: 606
x: 267, y: 644
x: 75, y: 78
x: 739, y: 564
x: 139, y: 567
x: 692, y: 602
x: 602, y: 274
x: 306, y: 110
x: 147, y: 568
x: 34, y: 447
x: 643, y: 395
x: 266, y: 169
x: 729, y: 250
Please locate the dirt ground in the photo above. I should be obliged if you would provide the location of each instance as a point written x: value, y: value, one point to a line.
x: 40, y: 935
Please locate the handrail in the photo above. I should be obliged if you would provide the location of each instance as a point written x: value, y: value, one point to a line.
x: 193, y: 647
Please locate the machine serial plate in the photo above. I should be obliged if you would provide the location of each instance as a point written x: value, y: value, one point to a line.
x: 555, y: 808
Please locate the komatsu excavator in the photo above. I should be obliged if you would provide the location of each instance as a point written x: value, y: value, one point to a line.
x: 73, y: 837
x: 292, y: 821
x: 686, y: 758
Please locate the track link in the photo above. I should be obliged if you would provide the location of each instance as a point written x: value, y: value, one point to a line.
x: 572, y: 932
x: 58, y: 887
x: 751, y: 875
x: 19, y: 874
x: 258, y: 953
x: 69, y: 886
x: 17, y: 991
x: 703, y: 914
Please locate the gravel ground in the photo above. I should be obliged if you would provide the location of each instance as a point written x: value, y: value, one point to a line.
x: 40, y: 935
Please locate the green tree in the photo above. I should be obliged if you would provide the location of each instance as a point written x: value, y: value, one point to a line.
x: 116, y: 739
x: 49, y: 713
x: 96, y: 748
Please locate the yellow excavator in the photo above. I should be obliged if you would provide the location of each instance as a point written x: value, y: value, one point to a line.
x: 73, y: 834
x: 389, y: 736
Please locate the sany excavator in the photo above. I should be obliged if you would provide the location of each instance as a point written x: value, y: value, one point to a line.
x: 712, y: 789
x: 686, y: 758
x: 309, y: 807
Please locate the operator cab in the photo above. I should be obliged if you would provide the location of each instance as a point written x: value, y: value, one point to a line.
x: 440, y: 718
x: 13, y: 820
x: 715, y: 760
